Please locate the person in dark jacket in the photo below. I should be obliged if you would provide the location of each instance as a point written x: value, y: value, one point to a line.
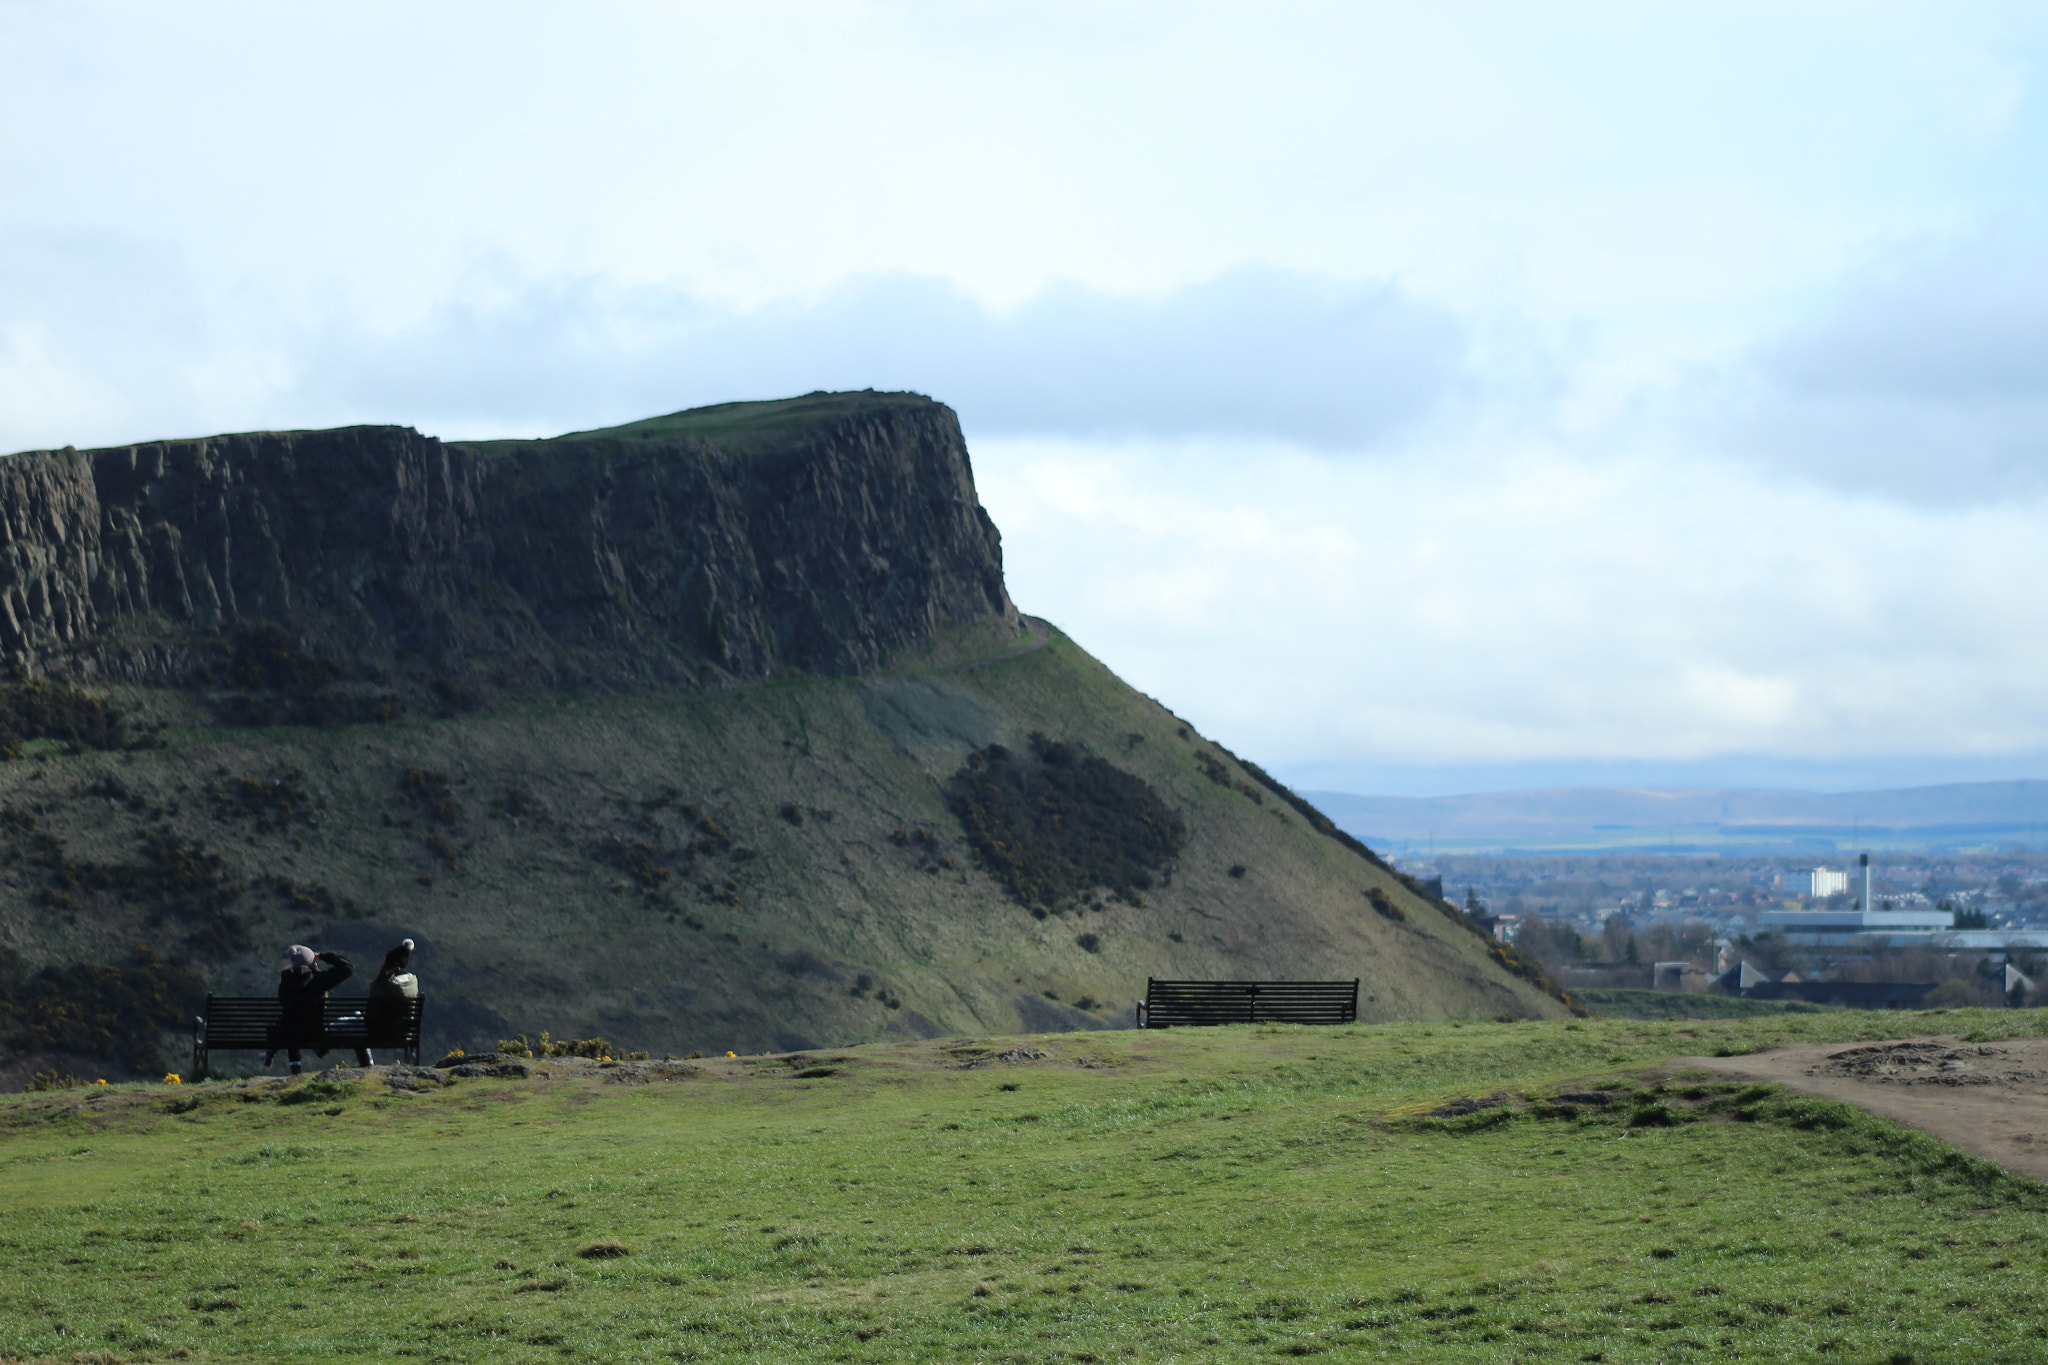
x: 301, y: 990
x: 392, y: 991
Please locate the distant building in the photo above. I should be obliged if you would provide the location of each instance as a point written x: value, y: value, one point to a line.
x: 1818, y: 884
x: 1845, y: 927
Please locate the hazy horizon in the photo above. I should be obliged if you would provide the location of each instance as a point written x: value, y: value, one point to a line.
x: 1740, y: 773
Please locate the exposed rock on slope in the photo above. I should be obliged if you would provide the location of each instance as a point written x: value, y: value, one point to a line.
x: 824, y: 533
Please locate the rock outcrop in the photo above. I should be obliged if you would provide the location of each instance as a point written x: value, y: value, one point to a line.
x: 824, y: 533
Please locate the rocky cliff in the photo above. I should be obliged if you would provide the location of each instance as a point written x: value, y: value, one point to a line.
x: 715, y: 731
x: 824, y: 534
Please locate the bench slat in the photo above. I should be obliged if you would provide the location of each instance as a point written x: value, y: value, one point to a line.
x: 1201, y: 1003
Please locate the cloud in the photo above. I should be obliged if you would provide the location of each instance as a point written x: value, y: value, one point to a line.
x: 96, y: 330
x: 1256, y: 353
x: 1531, y: 607
x: 1925, y: 378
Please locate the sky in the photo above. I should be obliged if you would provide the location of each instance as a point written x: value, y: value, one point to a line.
x: 1418, y: 398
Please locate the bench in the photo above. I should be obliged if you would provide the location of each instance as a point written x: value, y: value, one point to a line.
x: 1189, y: 1004
x: 250, y: 1023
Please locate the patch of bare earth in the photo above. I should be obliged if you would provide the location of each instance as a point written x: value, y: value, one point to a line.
x: 1989, y: 1099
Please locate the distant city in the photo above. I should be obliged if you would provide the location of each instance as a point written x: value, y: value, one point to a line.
x: 1612, y: 920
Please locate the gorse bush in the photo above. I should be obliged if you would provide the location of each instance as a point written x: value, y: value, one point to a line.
x: 652, y: 862
x: 546, y: 1046
x: 1218, y: 772
x: 642, y: 862
x: 287, y: 686
x: 429, y: 794
x: 263, y: 657
x: 173, y: 881
x: 118, y: 1013
x: 44, y: 710
x: 1062, y: 821
x: 274, y: 801
x: 307, y: 899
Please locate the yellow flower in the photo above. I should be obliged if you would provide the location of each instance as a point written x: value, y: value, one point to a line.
x: 729, y: 1054
x: 101, y: 1081
x: 172, y: 1078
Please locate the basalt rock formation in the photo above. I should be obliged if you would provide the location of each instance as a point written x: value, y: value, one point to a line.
x: 824, y: 534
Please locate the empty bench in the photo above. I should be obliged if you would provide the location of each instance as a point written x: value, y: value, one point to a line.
x: 253, y: 1023
x: 1188, y: 1004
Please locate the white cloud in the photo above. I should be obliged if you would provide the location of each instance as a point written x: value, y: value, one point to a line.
x: 1532, y: 608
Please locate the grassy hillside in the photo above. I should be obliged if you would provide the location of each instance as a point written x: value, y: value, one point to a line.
x: 770, y: 866
x: 1392, y: 1192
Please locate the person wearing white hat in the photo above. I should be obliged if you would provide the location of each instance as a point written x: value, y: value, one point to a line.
x: 391, y: 989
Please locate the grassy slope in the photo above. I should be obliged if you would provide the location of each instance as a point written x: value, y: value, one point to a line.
x: 1205, y: 1195
x: 764, y: 951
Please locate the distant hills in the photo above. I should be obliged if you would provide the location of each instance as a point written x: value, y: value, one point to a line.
x: 1956, y: 816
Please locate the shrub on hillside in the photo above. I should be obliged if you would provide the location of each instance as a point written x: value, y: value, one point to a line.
x: 264, y: 657
x: 281, y: 684
x: 115, y: 1012
x: 173, y: 880
x: 429, y: 794
x: 1061, y: 821
x: 303, y: 898
x: 546, y: 1046
x: 274, y: 801
x: 45, y: 710
x: 1384, y: 905
x: 1216, y: 771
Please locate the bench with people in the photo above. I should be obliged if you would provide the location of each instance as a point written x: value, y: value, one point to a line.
x: 303, y: 1016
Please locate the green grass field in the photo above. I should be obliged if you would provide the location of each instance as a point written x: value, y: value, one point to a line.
x: 1200, y: 1195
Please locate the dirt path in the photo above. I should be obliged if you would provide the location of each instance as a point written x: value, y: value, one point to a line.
x: 1989, y: 1099
x: 1041, y: 636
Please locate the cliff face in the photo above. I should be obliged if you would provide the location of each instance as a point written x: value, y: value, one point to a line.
x: 823, y: 533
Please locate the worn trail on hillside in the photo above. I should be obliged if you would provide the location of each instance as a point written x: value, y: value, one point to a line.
x: 1039, y: 633
x: 1989, y: 1099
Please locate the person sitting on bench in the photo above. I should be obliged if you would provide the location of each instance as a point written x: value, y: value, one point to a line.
x: 301, y: 991
x: 391, y: 991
